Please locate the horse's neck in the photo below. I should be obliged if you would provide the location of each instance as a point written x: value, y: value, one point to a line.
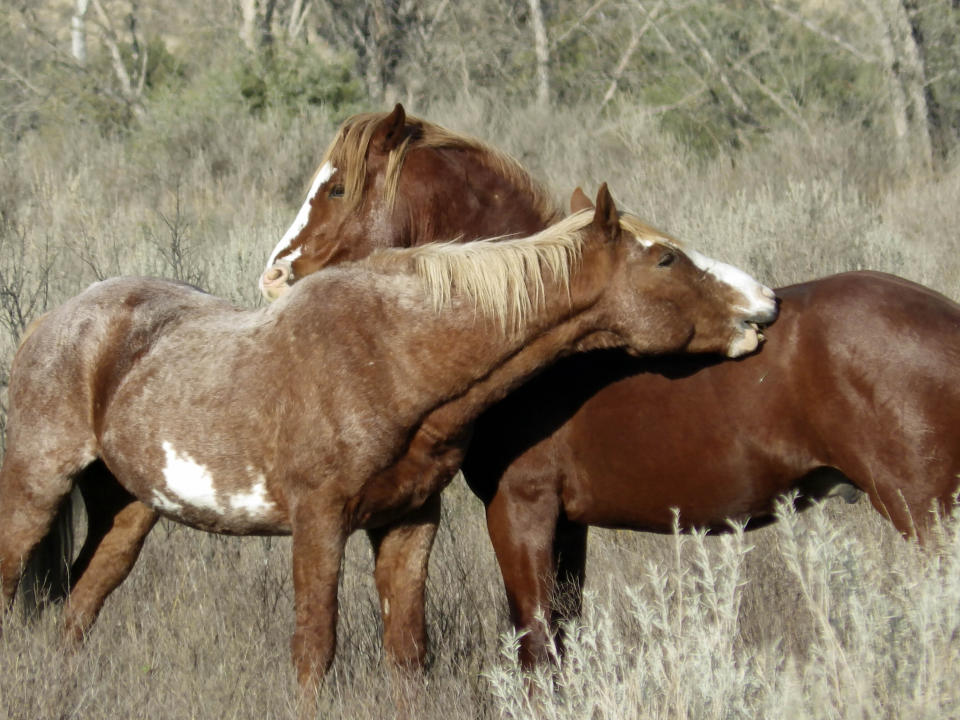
x: 479, y: 362
x: 490, y: 205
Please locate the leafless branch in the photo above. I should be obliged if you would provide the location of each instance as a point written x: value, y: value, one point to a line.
x: 20, y: 78
x: 628, y: 53
x: 578, y: 23
x: 817, y: 30
x: 715, y: 67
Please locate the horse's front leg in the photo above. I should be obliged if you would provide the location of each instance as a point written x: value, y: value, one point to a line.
x: 319, y: 536
x: 522, y: 521
x: 402, y: 552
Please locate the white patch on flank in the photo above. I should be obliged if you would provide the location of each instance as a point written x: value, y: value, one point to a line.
x: 254, y: 503
x: 164, y: 504
x: 189, y: 481
x: 759, y: 298
x: 386, y: 607
x: 300, y: 222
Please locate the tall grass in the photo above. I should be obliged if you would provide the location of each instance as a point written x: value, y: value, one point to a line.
x: 882, y: 634
x: 827, y: 614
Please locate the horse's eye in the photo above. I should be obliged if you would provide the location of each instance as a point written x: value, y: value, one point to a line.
x: 336, y: 191
x: 666, y: 260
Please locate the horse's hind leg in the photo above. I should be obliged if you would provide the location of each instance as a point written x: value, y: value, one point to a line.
x: 117, y: 526
x: 402, y: 553
x: 32, y: 488
x: 570, y: 558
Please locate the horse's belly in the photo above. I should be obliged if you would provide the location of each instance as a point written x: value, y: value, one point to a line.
x: 649, y: 502
x: 640, y: 484
x: 216, y: 497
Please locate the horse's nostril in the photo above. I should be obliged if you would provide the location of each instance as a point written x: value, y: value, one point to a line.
x: 273, y: 274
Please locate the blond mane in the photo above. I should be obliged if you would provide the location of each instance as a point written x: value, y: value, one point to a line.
x: 647, y: 233
x: 502, y: 277
x: 348, y: 153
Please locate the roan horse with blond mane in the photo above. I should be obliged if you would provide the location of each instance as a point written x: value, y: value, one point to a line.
x: 856, y: 389
x: 347, y: 404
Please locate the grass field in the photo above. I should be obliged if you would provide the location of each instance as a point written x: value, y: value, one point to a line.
x: 826, y: 614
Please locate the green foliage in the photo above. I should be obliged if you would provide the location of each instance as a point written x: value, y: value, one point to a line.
x: 288, y: 78
x: 162, y: 67
x: 938, y: 25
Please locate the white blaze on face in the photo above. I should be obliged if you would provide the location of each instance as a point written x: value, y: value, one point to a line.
x: 300, y: 222
x: 759, y: 301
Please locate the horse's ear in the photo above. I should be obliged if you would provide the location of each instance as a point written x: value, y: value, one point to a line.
x: 389, y: 132
x: 579, y: 201
x: 606, y: 215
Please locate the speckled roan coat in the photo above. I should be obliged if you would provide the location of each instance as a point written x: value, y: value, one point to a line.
x: 347, y: 404
x: 858, y: 384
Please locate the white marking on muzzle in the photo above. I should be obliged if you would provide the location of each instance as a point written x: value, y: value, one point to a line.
x: 300, y: 222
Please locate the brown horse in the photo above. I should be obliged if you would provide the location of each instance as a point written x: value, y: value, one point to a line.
x: 857, y: 387
x: 347, y: 404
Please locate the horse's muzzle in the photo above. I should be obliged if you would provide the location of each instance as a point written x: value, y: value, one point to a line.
x: 276, y: 280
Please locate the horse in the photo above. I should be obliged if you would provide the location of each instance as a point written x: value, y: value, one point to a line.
x: 855, y: 390
x: 347, y: 404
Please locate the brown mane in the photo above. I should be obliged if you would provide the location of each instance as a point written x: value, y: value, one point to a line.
x: 348, y: 153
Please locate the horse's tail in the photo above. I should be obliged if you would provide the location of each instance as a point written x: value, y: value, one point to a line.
x: 46, y: 576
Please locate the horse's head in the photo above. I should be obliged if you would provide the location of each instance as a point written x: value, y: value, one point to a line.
x: 452, y: 186
x: 669, y: 298
x: 340, y: 221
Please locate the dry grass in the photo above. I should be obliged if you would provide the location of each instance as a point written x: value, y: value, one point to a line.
x: 825, y: 615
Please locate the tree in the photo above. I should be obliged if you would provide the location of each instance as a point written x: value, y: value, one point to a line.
x: 906, y: 81
x: 542, y: 51
x: 78, y: 31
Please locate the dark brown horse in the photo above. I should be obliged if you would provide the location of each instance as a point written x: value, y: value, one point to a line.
x: 857, y: 387
x: 348, y: 404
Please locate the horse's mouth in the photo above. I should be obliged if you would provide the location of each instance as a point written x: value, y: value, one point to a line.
x: 748, y: 339
x: 276, y: 280
x: 759, y: 328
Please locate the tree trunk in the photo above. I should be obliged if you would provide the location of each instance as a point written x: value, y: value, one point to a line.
x: 248, y: 25
x: 388, y: 28
x: 298, y: 13
x: 78, y: 31
x: 906, y: 82
x: 256, y: 28
x: 541, y: 48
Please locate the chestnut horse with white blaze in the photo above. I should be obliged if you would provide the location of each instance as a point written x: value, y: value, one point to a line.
x: 856, y: 389
x: 347, y: 404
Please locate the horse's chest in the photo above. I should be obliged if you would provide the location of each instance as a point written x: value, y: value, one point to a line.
x: 424, y: 469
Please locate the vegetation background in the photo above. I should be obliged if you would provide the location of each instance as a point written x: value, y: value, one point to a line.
x: 795, y: 138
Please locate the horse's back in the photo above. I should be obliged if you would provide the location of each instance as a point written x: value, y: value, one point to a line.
x: 881, y: 333
x: 857, y: 366
x: 73, y: 356
x: 878, y: 301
